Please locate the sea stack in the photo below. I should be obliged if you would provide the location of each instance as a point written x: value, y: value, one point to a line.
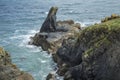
x: 53, y: 32
x: 49, y: 24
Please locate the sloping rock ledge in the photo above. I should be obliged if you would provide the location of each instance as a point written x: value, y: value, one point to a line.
x: 8, y: 70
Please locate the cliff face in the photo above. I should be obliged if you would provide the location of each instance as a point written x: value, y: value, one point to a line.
x: 95, y: 55
x: 8, y: 70
x: 92, y: 53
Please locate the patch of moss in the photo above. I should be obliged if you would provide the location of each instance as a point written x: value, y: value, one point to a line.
x: 102, y: 29
x: 88, y: 52
x: 96, y: 45
x: 104, y: 40
x: 99, y: 36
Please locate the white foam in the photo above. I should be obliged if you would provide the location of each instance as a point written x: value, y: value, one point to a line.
x: 81, y: 23
x: 43, y: 61
x: 23, y: 39
x: 46, y: 13
x: 85, y: 24
x: 71, y: 11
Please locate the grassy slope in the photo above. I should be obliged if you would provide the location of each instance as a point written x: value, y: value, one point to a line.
x: 95, y: 36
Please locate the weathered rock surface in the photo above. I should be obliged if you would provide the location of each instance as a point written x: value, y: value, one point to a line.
x: 90, y: 54
x: 9, y: 71
x: 49, y: 24
x: 51, y: 40
x: 98, y: 53
x: 53, y: 33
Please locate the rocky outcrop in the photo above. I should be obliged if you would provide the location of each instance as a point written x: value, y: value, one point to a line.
x: 49, y: 24
x: 53, y: 33
x: 8, y: 70
x: 95, y: 55
x: 90, y: 54
x: 50, y: 41
x: 67, y: 56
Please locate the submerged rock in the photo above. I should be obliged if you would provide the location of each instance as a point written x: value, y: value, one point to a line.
x: 8, y: 70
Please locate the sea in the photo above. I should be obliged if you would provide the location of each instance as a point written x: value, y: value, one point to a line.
x: 21, y: 19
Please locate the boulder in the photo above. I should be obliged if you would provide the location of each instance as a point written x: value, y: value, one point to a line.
x: 8, y: 70
x: 51, y: 76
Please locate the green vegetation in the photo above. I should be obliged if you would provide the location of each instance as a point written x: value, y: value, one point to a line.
x: 113, y: 16
x: 100, y: 36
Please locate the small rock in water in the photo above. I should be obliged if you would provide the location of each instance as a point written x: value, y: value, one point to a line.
x: 51, y: 76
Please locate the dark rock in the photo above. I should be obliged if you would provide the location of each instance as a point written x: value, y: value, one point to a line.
x: 63, y: 69
x: 92, y: 54
x: 9, y: 71
x: 65, y: 56
x: 51, y: 76
x: 49, y: 24
x: 65, y: 34
x: 74, y: 73
x: 100, y: 46
x: 66, y: 52
x: 53, y: 33
x: 40, y: 40
x: 52, y: 41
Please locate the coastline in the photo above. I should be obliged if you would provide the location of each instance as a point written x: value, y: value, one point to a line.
x: 72, y: 50
x: 79, y: 52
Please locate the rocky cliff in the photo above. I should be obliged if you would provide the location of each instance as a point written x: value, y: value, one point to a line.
x: 95, y: 55
x: 8, y: 70
x: 92, y: 53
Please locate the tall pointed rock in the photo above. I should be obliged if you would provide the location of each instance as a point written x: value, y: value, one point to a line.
x: 49, y: 24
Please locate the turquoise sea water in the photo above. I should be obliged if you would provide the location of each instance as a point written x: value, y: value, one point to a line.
x: 20, y: 19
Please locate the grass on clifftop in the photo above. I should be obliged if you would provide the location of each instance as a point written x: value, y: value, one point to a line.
x: 107, y: 29
x: 100, y: 35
